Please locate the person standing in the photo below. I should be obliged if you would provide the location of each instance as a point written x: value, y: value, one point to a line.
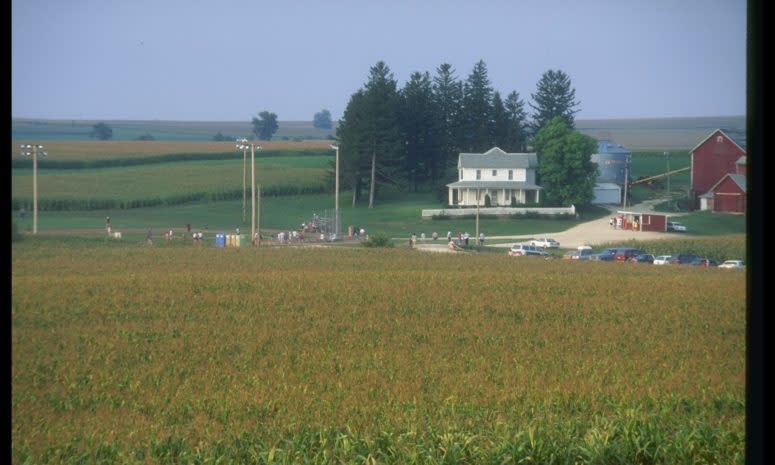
x: 481, y: 239
x: 435, y: 235
x: 149, y: 236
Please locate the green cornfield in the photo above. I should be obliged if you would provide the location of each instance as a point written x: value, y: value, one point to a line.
x: 140, y: 354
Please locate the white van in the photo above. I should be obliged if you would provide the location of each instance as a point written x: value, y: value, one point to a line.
x: 521, y: 250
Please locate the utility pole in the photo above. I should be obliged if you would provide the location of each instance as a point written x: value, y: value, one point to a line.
x: 34, y: 151
x: 244, y: 182
x: 626, y: 181
x: 243, y: 145
x: 667, y: 158
x: 336, y: 192
x: 477, y: 214
x: 258, y: 215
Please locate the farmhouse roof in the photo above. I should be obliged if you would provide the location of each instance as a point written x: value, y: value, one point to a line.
x: 497, y: 158
x: 492, y: 185
x: 609, y: 146
x: 736, y: 142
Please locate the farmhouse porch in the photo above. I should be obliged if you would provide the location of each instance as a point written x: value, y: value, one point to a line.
x: 500, y: 193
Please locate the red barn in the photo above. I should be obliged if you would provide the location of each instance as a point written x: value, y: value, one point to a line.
x: 713, y: 158
x: 727, y: 195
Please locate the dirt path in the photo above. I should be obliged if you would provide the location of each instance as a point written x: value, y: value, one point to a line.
x: 591, y: 233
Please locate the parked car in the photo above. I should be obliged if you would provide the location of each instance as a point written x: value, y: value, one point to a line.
x: 606, y: 255
x: 706, y: 262
x: 662, y: 259
x: 522, y: 250
x: 583, y: 254
x: 675, y: 226
x: 683, y: 259
x: 643, y: 258
x: 623, y: 254
x: 546, y: 242
x: 733, y: 264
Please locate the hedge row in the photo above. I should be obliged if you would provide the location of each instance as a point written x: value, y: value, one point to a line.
x: 54, y: 164
x: 49, y: 204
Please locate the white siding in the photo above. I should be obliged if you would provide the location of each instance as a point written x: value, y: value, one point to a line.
x: 502, y: 174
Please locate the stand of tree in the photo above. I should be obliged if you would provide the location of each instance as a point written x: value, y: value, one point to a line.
x: 410, y: 137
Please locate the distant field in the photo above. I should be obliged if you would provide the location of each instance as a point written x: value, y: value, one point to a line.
x: 661, y: 133
x: 134, y: 354
x: 93, y: 150
x: 165, y: 180
x: 635, y: 134
x: 41, y: 130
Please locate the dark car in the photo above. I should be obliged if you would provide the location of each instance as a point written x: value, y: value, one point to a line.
x: 605, y: 256
x: 706, y: 262
x: 623, y: 254
x: 683, y: 259
x: 643, y: 258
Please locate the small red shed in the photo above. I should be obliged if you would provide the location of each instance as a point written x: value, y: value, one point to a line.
x: 638, y: 221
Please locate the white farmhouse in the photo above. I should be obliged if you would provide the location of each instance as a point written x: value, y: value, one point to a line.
x: 496, y: 174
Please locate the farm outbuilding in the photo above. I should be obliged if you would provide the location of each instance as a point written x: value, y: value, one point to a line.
x: 727, y: 195
x: 612, y: 161
x: 607, y: 193
x: 713, y: 158
x: 640, y: 221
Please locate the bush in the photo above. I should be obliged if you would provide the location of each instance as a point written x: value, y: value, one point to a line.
x: 378, y: 240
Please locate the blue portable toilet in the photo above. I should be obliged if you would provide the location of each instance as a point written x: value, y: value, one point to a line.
x: 220, y: 240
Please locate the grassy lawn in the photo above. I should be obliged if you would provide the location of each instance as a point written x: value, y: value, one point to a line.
x: 396, y: 215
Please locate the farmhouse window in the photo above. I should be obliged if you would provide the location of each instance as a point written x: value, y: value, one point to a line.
x: 478, y: 174
x: 511, y: 175
x: 719, y: 139
x: 494, y: 173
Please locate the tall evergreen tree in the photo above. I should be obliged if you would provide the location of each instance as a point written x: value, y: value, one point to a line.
x: 371, y: 127
x: 565, y: 169
x: 554, y: 97
x: 352, y: 136
x: 448, y: 95
x: 419, y: 120
x: 516, y: 138
x: 477, y: 107
x: 499, y: 122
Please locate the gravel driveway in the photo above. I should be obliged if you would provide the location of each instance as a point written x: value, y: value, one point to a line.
x: 591, y: 233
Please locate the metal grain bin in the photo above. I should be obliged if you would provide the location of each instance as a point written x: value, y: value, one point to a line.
x: 612, y: 161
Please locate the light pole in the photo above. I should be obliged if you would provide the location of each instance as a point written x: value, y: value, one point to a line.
x: 667, y: 158
x: 34, y: 150
x: 336, y: 192
x: 244, y: 144
x: 244, y: 182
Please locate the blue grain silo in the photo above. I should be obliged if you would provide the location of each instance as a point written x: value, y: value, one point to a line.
x: 612, y: 161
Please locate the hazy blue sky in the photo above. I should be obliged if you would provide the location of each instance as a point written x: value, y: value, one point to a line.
x: 228, y: 60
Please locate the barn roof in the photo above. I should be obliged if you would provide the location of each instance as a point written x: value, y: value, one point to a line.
x: 738, y: 179
x: 497, y: 158
x: 735, y: 140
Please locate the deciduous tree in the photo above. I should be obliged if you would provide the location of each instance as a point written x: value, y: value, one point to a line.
x: 102, y: 131
x: 265, y: 125
x: 565, y: 169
